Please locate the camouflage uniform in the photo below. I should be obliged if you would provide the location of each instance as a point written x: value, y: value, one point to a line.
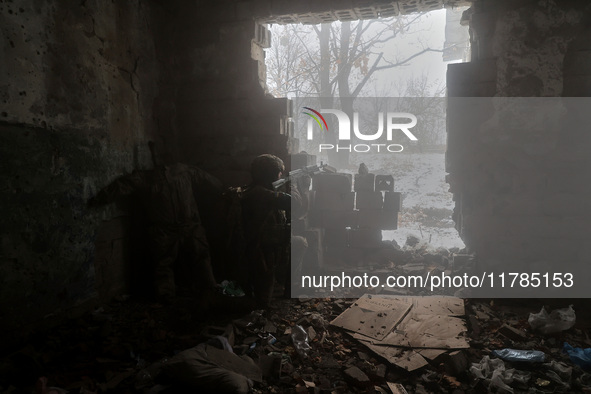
x: 266, y: 233
x: 177, y: 239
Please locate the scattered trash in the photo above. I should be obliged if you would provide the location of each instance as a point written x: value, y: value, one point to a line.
x: 300, y: 340
x: 376, y: 339
x: 317, y: 321
x: 556, y: 321
x: 451, y: 381
x: 579, y: 356
x: 231, y: 288
x: 514, y: 355
x: 542, y: 382
x: 268, y: 338
x: 253, y: 320
x: 498, y: 378
x: 553, y: 376
x: 357, y: 377
x: 584, y: 380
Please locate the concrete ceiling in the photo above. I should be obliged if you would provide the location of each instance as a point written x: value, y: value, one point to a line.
x: 360, y: 9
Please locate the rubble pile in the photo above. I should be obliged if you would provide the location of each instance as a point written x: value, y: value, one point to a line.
x: 383, y: 344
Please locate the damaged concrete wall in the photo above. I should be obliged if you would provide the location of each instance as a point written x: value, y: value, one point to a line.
x: 224, y: 118
x: 77, y: 86
x: 522, y: 193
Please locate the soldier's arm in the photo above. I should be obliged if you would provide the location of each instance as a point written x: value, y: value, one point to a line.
x: 270, y: 198
x: 299, y: 194
x: 281, y: 200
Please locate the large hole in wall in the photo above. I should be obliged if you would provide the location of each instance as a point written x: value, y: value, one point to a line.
x: 399, y: 57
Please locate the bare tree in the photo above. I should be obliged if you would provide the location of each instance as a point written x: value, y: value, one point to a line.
x: 288, y: 62
x: 336, y: 60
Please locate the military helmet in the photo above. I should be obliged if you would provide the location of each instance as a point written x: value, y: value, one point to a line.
x: 265, y: 168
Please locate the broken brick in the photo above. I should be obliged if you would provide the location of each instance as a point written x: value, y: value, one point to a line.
x: 363, y: 356
x: 357, y: 376
x: 311, y: 333
x: 380, y: 371
x: 455, y: 363
x: 474, y: 326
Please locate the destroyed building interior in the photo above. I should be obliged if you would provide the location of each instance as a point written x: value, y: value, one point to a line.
x: 86, y: 85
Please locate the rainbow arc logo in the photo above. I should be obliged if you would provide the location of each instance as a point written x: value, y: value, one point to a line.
x: 388, y: 123
x: 316, y: 118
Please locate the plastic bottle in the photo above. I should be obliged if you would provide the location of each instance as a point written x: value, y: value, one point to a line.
x: 299, y: 336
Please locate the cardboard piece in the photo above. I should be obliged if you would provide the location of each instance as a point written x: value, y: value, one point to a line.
x: 372, y: 317
x: 403, y: 358
x: 429, y: 331
x: 446, y: 306
x: 416, y: 329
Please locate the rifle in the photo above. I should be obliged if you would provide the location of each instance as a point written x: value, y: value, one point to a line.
x: 308, y: 170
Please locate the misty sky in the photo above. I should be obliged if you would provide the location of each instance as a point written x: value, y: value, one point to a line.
x: 428, y: 31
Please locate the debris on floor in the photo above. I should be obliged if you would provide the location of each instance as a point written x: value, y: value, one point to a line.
x: 374, y: 344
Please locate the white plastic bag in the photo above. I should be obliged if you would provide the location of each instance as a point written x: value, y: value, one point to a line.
x: 556, y: 321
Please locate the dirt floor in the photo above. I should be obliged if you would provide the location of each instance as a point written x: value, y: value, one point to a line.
x: 117, y: 349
